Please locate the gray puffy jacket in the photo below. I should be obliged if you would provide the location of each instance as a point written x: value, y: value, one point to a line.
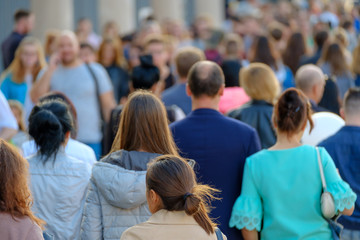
x: 116, y: 198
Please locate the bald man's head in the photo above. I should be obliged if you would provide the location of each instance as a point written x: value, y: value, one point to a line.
x: 205, y: 79
x: 311, y: 80
x: 68, y: 47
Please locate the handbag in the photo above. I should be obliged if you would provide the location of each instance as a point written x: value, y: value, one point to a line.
x: 328, y: 204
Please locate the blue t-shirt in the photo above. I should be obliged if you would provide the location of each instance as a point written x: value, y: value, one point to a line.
x: 344, y: 148
x: 78, y: 85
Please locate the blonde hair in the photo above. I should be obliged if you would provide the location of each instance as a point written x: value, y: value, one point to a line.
x: 144, y: 125
x: 16, y: 67
x: 259, y: 82
x: 341, y: 36
x: 14, y: 104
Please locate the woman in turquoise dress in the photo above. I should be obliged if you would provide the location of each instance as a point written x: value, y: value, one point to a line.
x: 282, y: 186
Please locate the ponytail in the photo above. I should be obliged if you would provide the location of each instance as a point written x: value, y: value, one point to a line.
x: 174, y: 181
x: 48, y: 124
x: 196, y: 206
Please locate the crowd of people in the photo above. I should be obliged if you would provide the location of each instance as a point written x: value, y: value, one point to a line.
x: 184, y: 133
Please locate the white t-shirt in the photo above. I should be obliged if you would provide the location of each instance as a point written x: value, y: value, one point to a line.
x: 79, y: 86
x: 73, y: 148
x: 7, y: 119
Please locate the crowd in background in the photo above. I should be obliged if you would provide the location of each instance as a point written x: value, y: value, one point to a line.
x: 237, y: 102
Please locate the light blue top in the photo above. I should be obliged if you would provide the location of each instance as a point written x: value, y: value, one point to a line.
x: 283, y: 187
x: 13, y: 90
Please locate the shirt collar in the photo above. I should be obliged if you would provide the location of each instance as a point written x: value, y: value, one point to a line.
x: 171, y: 217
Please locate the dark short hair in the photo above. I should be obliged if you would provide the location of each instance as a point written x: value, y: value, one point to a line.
x: 320, y: 38
x: 205, y: 81
x: 352, y: 101
x: 186, y: 58
x: 21, y: 13
x: 85, y: 45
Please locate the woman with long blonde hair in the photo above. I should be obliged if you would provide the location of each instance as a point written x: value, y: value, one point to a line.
x: 16, y: 218
x: 116, y: 198
x: 111, y: 56
x: 23, y: 71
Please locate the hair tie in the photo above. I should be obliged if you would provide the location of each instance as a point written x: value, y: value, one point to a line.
x: 186, y: 195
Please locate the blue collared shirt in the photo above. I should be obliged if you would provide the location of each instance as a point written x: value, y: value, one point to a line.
x: 344, y: 148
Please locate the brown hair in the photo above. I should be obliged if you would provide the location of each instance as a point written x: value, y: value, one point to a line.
x: 292, y: 111
x: 233, y: 44
x: 144, y: 125
x: 50, y: 39
x: 154, y: 38
x: 259, y: 82
x: 263, y: 51
x: 20, y: 14
x: 334, y: 55
x: 16, y: 67
x: 119, y: 59
x: 355, y: 67
x: 15, y: 196
x: 352, y: 101
x: 185, y: 58
x: 296, y: 47
x: 173, y: 179
x: 205, y: 79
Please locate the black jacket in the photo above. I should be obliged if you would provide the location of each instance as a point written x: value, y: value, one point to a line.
x: 258, y: 114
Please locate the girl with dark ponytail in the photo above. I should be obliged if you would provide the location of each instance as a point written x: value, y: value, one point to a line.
x: 178, y: 204
x: 282, y: 186
x: 58, y: 181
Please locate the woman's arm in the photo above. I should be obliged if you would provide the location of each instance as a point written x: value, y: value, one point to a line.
x: 348, y: 212
x: 249, y: 235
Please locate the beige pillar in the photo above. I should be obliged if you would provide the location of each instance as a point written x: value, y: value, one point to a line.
x: 215, y: 9
x: 52, y: 14
x: 120, y: 11
x: 173, y: 9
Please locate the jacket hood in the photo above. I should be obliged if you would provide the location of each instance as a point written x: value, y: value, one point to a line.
x: 120, y: 177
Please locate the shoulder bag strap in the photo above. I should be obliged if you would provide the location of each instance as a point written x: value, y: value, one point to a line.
x: 323, y: 181
x: 218, y: 234
x: 96, y: 87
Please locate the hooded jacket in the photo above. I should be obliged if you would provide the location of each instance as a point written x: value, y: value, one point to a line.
x: 116, y: 198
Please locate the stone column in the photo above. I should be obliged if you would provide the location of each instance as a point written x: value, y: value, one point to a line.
x: 215, y: 9
x: 52, y: 14
x: 173, y: 9
x: 120, y: 11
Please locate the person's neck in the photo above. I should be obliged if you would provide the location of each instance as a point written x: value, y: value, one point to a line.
x: 107, y: 63
x: 352, y: 121
x: 183, y: 80
x: 206, y: 102
x: 19, y: 29
x: 311, y: 97
x: 76, y: 62
x: 285, y: 142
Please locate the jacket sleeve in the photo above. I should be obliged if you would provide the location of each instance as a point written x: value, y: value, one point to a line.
x: 91, y: 224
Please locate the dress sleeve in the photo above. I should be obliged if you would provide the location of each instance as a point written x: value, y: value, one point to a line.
x: 247, y: 211
x: 344, y: 196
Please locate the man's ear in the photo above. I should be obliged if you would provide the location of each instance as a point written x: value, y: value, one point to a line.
x: 342, y: 113
x: 188, y: 91
x: 221, y: 90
